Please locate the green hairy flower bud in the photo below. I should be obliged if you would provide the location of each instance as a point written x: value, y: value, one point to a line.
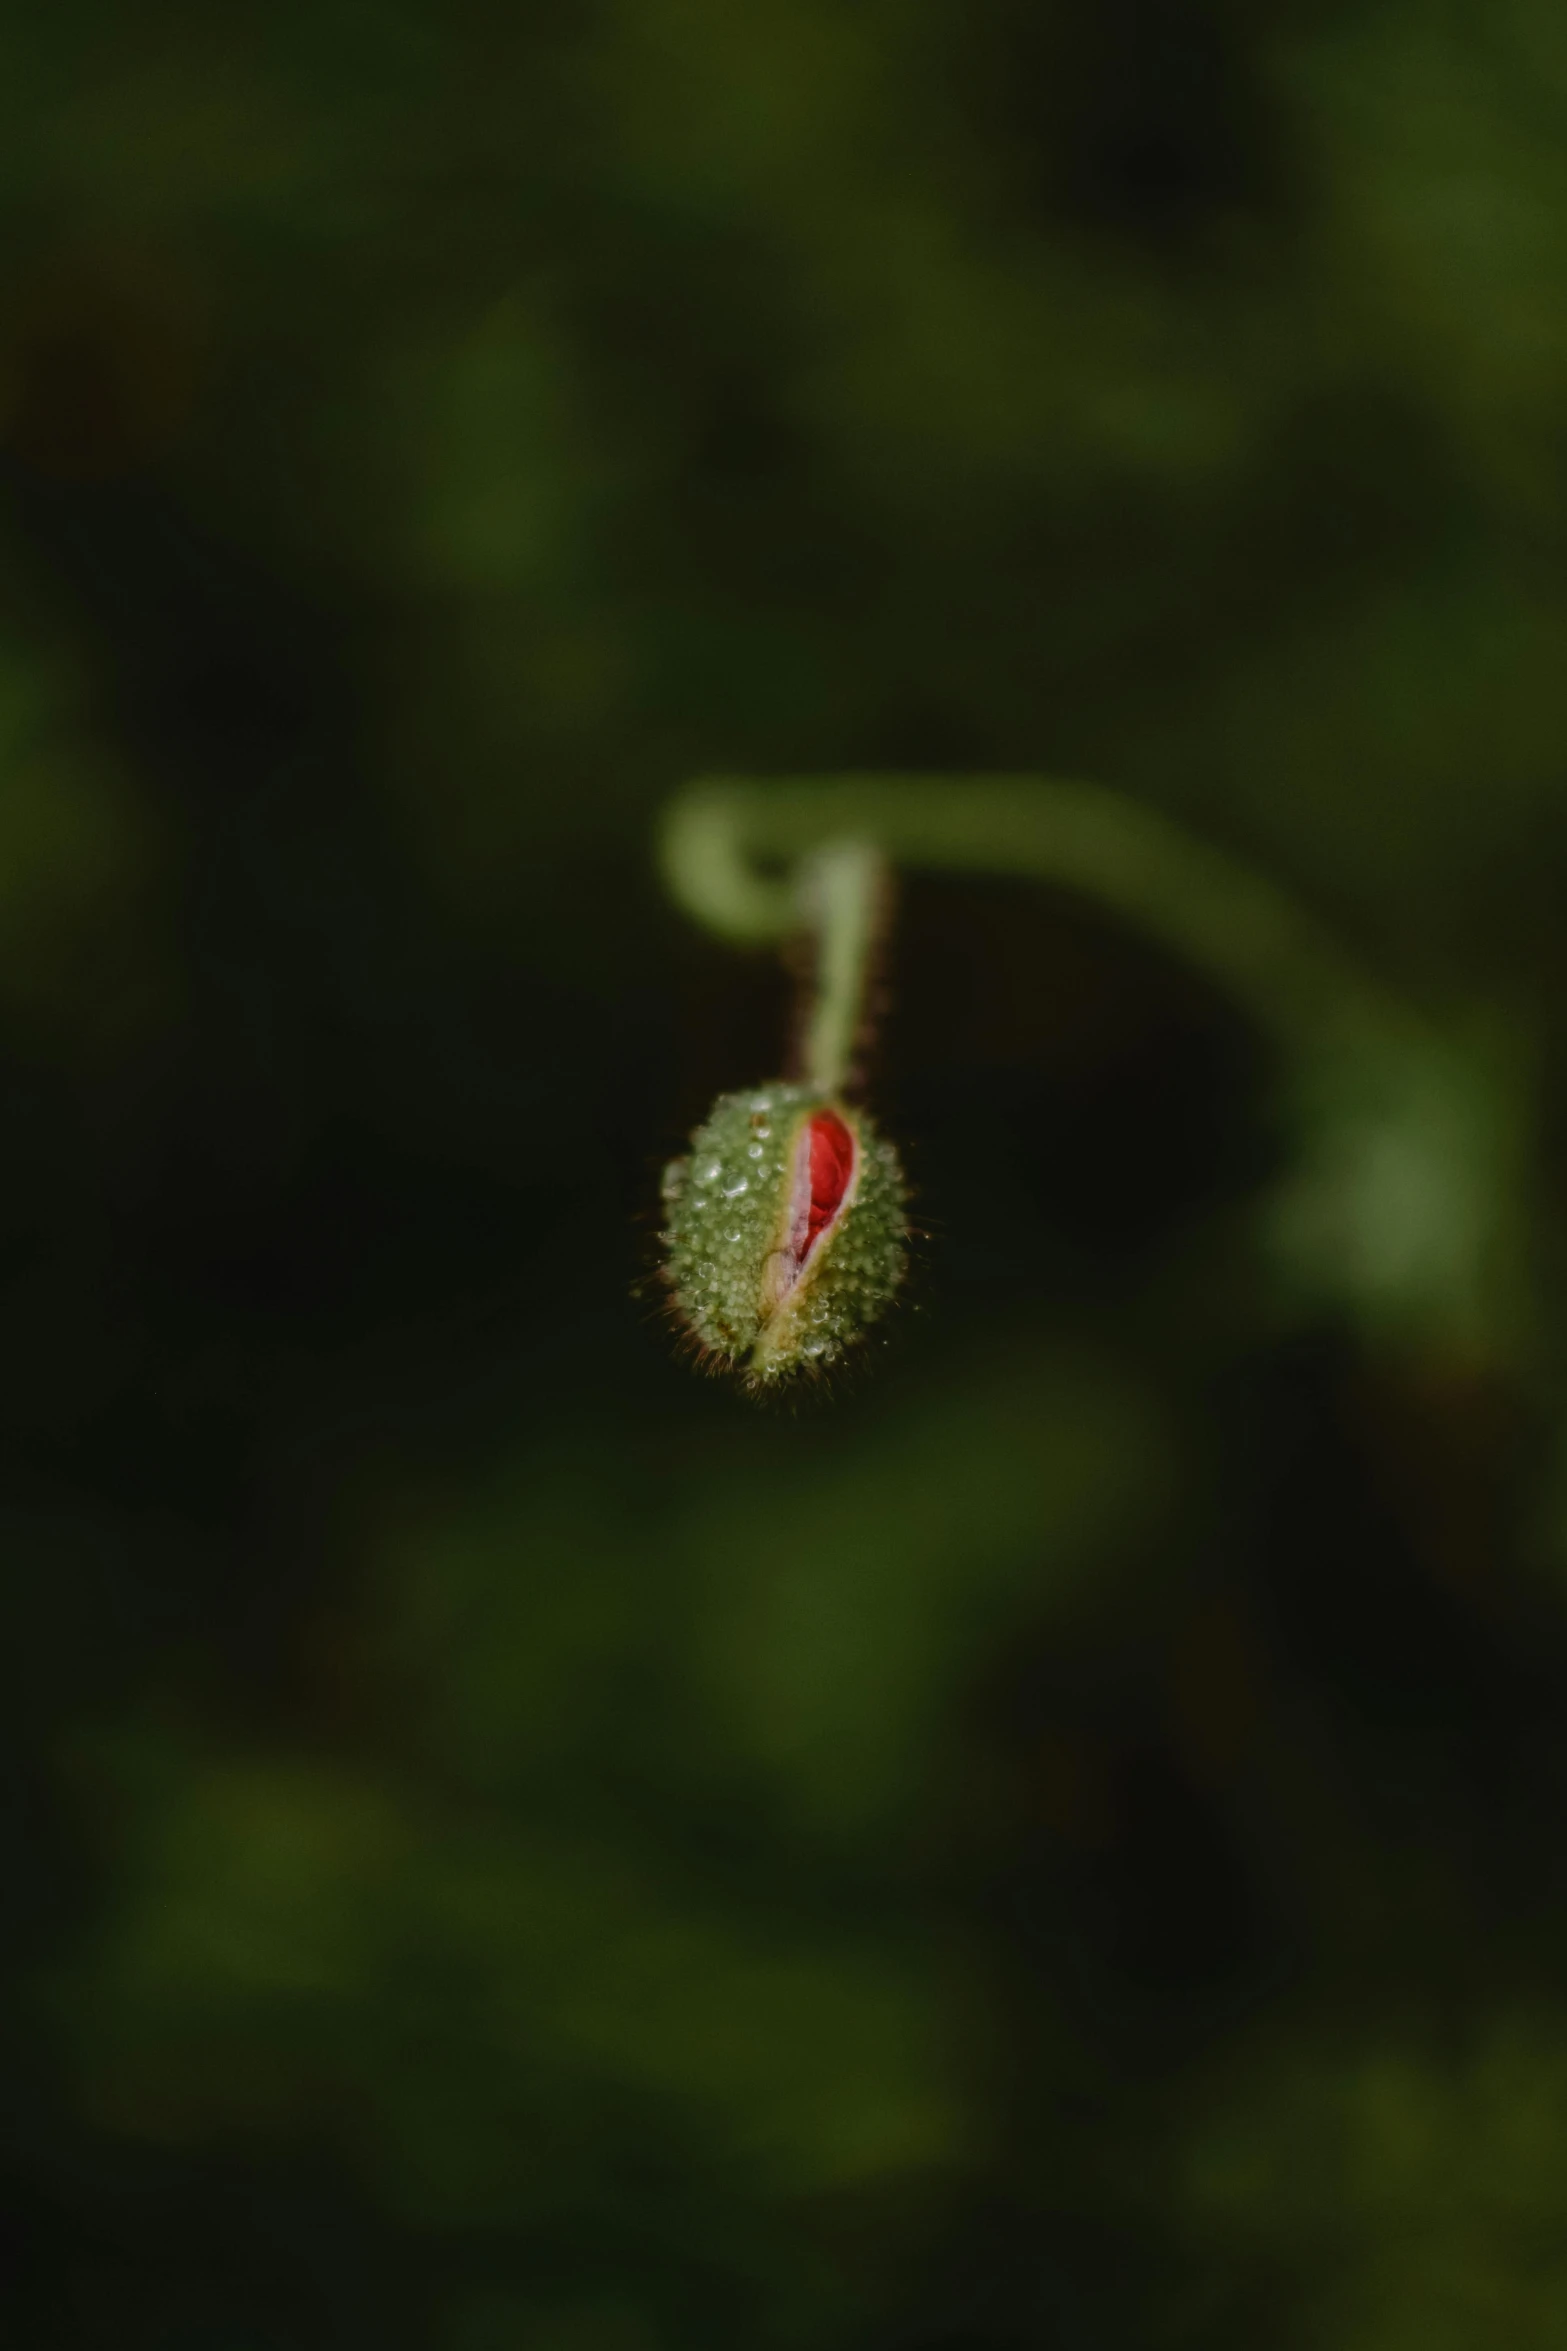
x: 786, y: 1231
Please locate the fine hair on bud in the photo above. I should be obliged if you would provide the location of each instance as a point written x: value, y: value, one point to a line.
x: 785, y: 1232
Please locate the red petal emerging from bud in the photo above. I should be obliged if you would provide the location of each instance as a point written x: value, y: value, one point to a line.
x: 832, y: 1164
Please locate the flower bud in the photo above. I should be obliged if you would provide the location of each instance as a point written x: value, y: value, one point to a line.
x: 786, y: 1231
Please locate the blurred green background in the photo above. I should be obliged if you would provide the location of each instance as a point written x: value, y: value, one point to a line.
x: 509, y: 1847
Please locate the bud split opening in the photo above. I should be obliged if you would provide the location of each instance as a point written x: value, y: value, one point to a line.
x: 786, y: 1231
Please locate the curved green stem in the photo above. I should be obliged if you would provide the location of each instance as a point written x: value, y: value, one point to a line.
x: 841, y: 889
x: 720, y: 837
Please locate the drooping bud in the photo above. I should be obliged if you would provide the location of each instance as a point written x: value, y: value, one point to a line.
x: 786, y: 1230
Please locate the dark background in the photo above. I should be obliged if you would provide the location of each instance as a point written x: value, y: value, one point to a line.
x: 509, y: 1847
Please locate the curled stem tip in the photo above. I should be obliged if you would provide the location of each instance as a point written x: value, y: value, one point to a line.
x: 734, y: 853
